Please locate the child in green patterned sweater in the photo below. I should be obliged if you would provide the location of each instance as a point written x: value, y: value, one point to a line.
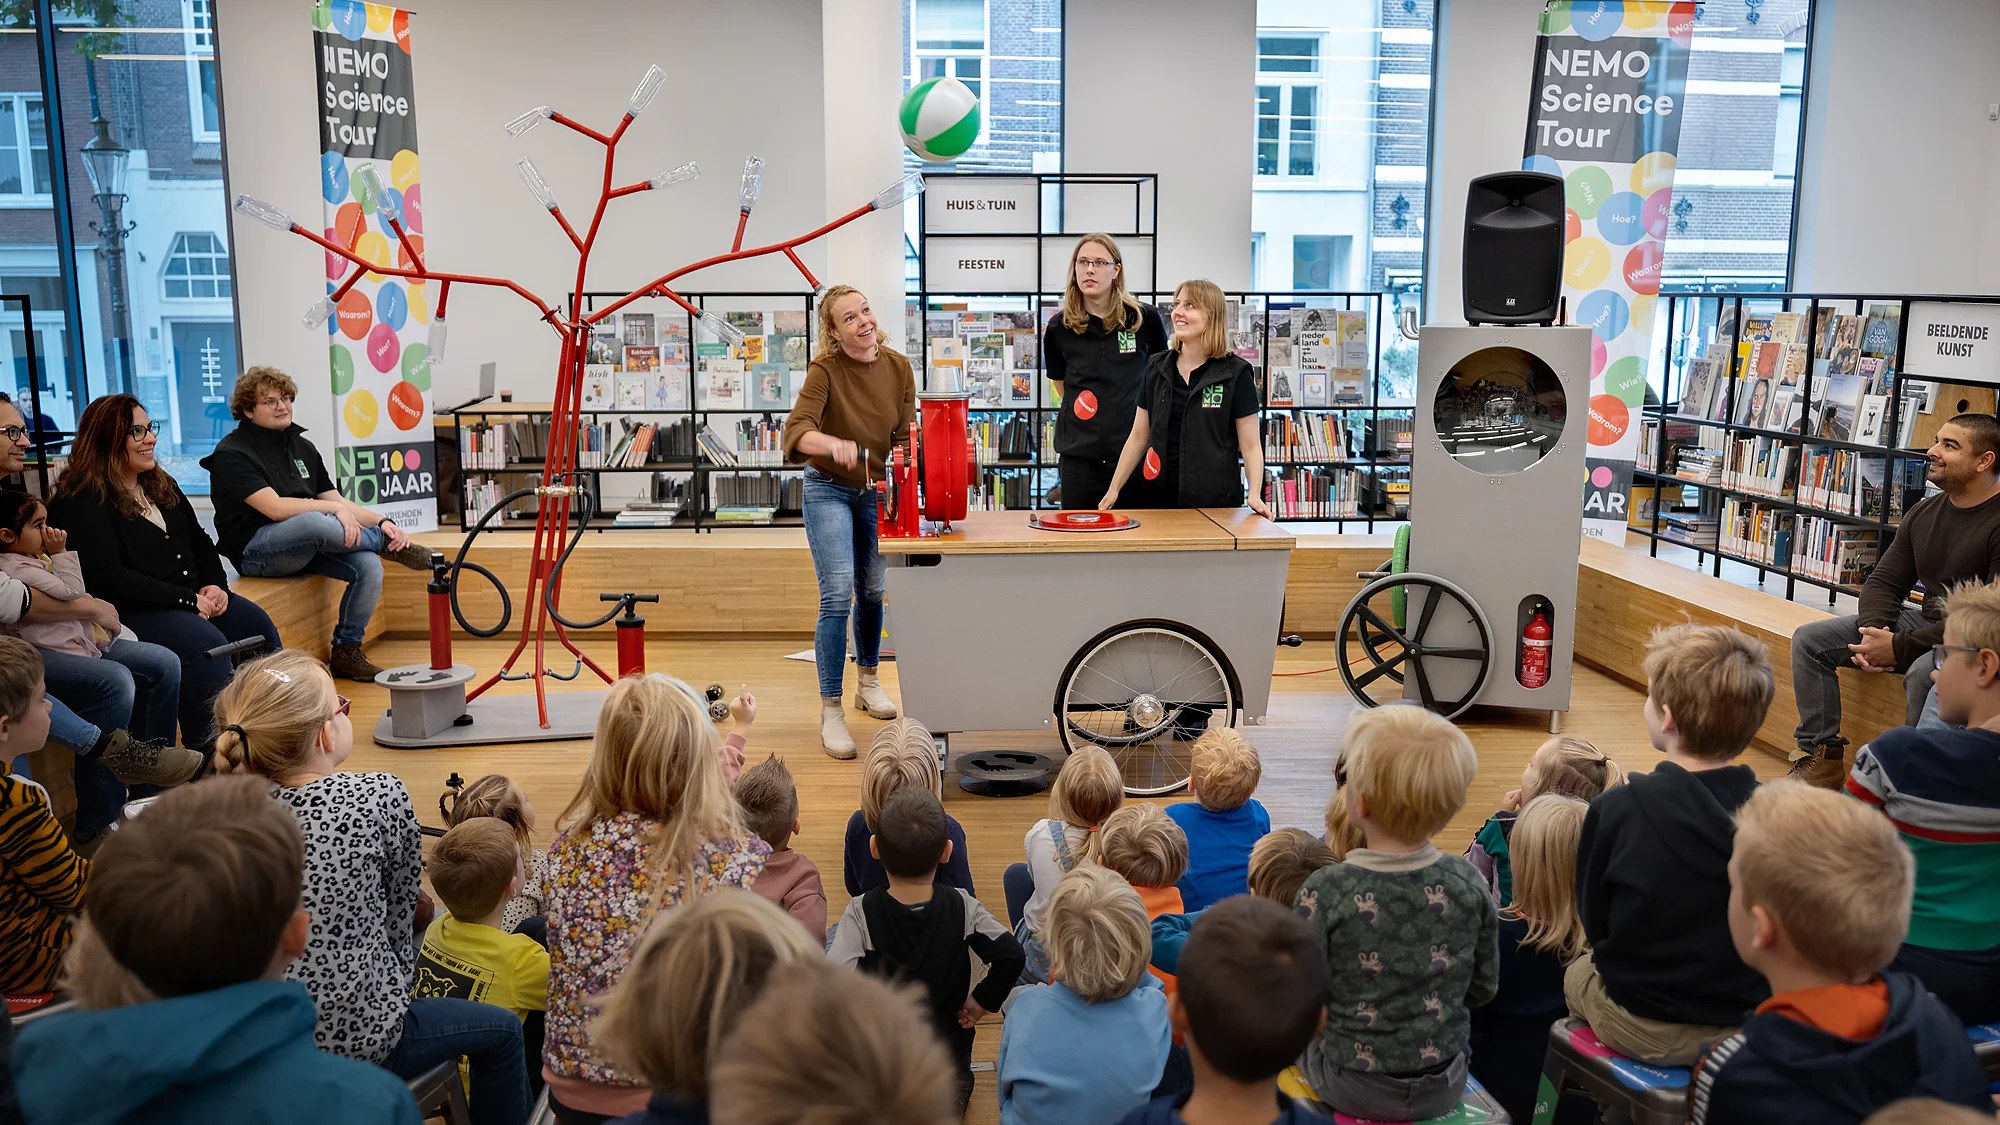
x: 1410, y: 934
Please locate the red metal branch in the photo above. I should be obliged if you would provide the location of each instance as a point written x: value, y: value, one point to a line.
x: 734, y: 256
x: 569, y: 230
x: 548, y: 313
x: 444, y: 295
x: 586, y: 130
x: 811, y: 281
x: 742, y: 221
x: 416, y: 258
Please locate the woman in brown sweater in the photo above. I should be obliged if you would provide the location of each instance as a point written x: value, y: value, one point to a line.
x: 858, y: 401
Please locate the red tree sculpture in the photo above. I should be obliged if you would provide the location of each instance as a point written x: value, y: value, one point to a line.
x: 558, y: 487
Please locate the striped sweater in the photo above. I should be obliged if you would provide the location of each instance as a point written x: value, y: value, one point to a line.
x: 41, y: 885
x: 1941, y: 788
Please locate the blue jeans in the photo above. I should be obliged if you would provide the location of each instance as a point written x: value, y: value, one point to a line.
x: 67, y: 728
x: 315, y: 542
x: 1819, y: 650
x: 190, y: 635
x: 840, y: 529
x: 135, y: 686
x: 435, y: 1030
x: 100, y: 797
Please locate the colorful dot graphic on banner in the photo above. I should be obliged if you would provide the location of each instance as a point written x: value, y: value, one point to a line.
x: 413, y: 208
x: 1652, y: 172
x: 1586, y: 263
x: 1597, y: 356
x: 348, y: 223
x: 402, y: 30
x: 1541, y: 163
x: 417, y: 366
x: 362, y: 195
x: 1680, y: 22
x: 333, y: 176
x: 1659, y: 206
x: 403, y: 259
x: 1555, y: 17
x: 341, y: 362
x: 420, y: 303
x: 393, y: 200
x: 1642, y: 267
x: 1597, y: 20
x: 1625, y: 380
x: 1572, y: 226
x: 383, y: 348
x: 373, y: 248
x: 360, y: 413
x: 1602, y: 476
x: 391, y: 307
x: 413, y: 459
x: 355, y: 315
x: 1620, y: 220
x: 1609, y: 418
x: 322, y: 20
x: 1605, y: 312
x: 403, y: 170
x: 1586, y: 191
x: 406, y: 406
x: 1642, y: 14
x: 350, y: 17
x: 336, y: 266
x: 379, y: 16
x: 1642, y: 313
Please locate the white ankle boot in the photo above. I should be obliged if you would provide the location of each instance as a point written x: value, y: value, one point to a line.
x: 869, y: 696
x: 833, y: 729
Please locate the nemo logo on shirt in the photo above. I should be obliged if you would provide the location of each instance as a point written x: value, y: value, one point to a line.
x: 1152, y: 464
x: 1211, y: 397
x: 1086, y: 405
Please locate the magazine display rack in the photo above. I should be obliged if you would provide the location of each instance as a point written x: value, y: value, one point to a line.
x: 1789, y: 430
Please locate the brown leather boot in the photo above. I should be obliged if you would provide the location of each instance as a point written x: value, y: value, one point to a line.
x: 1826, y: 768
x: 158, y: 762
x: 413, y: 555
x: 350, y: 663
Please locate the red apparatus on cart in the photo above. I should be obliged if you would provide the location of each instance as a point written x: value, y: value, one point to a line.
x: 941, y: 442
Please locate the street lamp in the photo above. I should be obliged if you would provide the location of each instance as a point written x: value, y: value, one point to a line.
x: 104, y: 160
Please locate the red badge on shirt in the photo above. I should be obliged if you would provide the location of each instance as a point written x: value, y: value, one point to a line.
x: 1152, y: 464
x: 1086, y: 405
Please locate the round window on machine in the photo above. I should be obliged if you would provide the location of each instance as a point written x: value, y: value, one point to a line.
x: 1499, y: 410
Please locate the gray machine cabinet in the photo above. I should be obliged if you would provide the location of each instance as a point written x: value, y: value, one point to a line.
x: 1496, y: 477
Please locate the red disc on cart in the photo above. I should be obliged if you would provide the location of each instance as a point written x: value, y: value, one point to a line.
x: 1081, y: 521
x: 1086, y: 405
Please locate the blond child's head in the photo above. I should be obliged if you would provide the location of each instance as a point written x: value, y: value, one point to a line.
x: 1097, y: 933
x: 1142, y: 843
x: 1571, y: 767
x: 1342, y: 834
x: 1281, y: 862
x: 275, y: 712
x: 24, y: 708
x: 475, y: 867
x: 1087, y: 791
x: 1841, y: 906
x: 903, y: 753
x: 655, y: 755
x: 770, y: 802
x: 1224, y: 770
x: 1707, y: 690
x: 1542, y: 853
x: 696, y: 970
x: 1970, y: 667
x: 495, y: 796
x: 826, y: 1046
x: 1407, y: 771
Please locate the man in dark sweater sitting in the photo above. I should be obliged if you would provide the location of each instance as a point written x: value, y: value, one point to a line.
x: 1945, y: 539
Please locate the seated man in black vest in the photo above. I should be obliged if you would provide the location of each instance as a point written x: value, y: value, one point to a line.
x: 277, y: 513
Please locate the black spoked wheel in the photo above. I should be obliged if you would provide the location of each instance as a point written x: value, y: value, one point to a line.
x: 1446, y: 649
x: 1143, y: 693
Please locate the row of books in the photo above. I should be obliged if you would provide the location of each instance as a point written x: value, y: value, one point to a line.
x: 740, y: 491
x: 1755, y: 531
x: 483, y: 446
x: 1699, y: 528
x: 1759, y: 465
x: 998, y: 489
x: 1308, y: 437
x: 1314, y: 494
x: 1002, y: 440
x: 1836, y: 552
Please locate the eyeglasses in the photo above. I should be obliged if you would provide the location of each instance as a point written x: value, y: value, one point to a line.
x: 281, y: 400
x: 138, y: 433
x: 341, y: 706
x: 14, y: 433
x: 1083, y: 264
x: 1939, y: 652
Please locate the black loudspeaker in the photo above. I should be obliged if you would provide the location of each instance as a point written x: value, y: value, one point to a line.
x: 1513, y: 248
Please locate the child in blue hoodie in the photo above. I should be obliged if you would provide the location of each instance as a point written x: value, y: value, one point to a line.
x: 1839, y: 1038
x: 1223, y: 822
x: 193, y: 915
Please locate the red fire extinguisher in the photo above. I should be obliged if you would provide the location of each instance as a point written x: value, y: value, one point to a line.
x: 1536, y: 644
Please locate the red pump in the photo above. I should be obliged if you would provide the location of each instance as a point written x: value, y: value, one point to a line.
x: 950, y: 466
x: 1537, y: 641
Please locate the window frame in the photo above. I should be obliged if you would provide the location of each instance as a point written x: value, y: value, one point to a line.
x: 950, y: 57
x: 220, y: 253
x: 1286, y: 81
x: 24, y: 140
x: 199, y: 40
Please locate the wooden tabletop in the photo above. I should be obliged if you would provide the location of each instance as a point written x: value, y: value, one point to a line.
x: 1173, y: 529
x: 1252, y: 531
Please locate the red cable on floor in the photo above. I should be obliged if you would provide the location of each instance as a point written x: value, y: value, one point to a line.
x: 1314, y: 672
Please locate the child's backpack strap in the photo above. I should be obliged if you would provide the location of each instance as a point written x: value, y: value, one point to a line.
x: 1061, y: 838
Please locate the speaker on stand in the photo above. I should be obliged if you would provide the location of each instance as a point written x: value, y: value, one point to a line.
x: 1513, y: 248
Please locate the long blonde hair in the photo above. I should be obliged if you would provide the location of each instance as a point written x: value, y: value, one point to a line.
x: 269, y: 712
x: 1542, y: 852
x: 1208, y: 296
x: 1075, y: 317
x: 493, y: 795
x: 829, y: 339
x: 655, y: 756
x: 1087, y: 791
x: 1573, y: 767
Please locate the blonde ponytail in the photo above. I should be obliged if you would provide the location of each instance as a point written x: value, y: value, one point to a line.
x: 268, y: 713
x: 1087, y: 791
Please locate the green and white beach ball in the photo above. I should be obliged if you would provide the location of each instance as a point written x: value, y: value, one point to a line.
x: 940, y: 118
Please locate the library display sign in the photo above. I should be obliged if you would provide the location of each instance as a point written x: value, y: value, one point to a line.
x: 378, y: 355
x: 1605, y: 115
x: 1952, y: 341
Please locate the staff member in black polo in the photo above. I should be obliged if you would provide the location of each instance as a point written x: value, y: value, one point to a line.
x: 1095, y: 352
x: 1208, y: 397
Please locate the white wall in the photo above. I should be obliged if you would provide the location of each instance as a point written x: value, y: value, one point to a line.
x: 1902, y: 164
x: 742, y: 78
x: 1165, y: 86
x: 864, y: 151
x: 1484, y: 66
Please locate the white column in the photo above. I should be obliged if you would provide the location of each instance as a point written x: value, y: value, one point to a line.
x: 863, y: 41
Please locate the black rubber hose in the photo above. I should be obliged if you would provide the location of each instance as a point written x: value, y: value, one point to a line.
x: 459, y: 564
x: 589, y: 506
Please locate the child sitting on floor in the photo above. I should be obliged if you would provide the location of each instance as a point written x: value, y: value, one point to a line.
x: 770, y: 803
x: 1252, y: 983
x: 179, y: 974
x: 1839, y: 1038
x: 41, y: 876
x: 1564, y: 764
x: 903, y: 753
x: 1144, y: 845
x: 1409, y: 933
x: 854, y: 1049
x: 497, y: 797
x: 1088, y: 790
x: 692, y: 976
x: 1090, y: 1045
x: 1342, y: 834
x: 918, y: 929
x: 1282, y: 861
x: 1540, y: 933
x: 1651, y: 878
x: 1223, y: 822
x: 476, y: 871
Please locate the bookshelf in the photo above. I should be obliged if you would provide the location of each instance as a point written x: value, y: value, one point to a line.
x: 1785, y: 432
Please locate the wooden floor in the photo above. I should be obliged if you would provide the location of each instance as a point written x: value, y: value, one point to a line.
x: 1297, y: 743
